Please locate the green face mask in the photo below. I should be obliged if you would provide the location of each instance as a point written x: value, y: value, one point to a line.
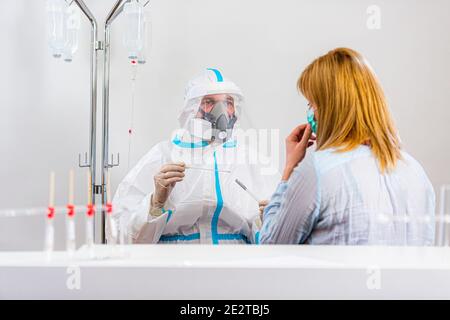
x: 311, y: 121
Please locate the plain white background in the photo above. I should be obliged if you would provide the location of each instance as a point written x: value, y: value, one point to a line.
x: 262, y: 45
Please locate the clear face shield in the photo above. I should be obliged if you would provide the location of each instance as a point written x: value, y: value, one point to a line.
x: 214, y: 117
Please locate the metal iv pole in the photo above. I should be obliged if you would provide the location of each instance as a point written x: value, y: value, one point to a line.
x: 106, y: 165
x: 95, y: 45
x: 91, y: 163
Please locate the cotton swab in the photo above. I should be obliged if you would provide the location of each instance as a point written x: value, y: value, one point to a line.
x: 71, y: 186
x: 89, y: 181
x: 108, y: 186
x: 207, y: 169
x: 51, y: 197
x: 246, y: 189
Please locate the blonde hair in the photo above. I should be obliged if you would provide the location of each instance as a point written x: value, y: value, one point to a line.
x: 352, y: 108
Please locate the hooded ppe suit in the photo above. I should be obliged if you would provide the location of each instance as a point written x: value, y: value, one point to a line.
x: 207, y: 206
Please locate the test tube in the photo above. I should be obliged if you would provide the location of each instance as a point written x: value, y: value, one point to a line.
x: 90, y: 213
x: 70, y: 219
x: 109, y: 211
x: 49, y: 227
x: 124, y: 235
x: 443, y: 218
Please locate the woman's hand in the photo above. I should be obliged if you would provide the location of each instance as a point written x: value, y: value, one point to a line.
x: 296, y: 144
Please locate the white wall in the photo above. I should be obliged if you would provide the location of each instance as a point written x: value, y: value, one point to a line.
x: 263, y: 45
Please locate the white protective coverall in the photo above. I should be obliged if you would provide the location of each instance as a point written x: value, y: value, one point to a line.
x: 208, y: 206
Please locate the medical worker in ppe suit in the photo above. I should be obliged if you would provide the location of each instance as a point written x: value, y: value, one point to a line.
x: 184, y: 190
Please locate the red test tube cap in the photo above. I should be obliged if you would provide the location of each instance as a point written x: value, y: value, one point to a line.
x: 90, y: 210
x: 51, y: 212
x: 70, y: 210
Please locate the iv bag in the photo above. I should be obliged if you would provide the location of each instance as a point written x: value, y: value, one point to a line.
x: 72, y: 28
x: 142, y: 55
x: 134, y: 29
x: 56, y: 11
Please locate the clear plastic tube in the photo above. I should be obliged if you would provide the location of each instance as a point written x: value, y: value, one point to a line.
x: 124, y: 236
x: 111, y: 224
x: 443, y: 218
x: 49, y: 241
x: 57, y: 26
x: 70, y: 230
x: 90, y: 230
x: 122, y: 232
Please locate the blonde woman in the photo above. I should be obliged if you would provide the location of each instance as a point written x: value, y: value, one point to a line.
x: 358, y: 186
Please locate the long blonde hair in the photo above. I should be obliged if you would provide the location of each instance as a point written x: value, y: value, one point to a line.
x: 352, y: 108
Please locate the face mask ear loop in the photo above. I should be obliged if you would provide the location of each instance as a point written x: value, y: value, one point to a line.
x: 312, y: 122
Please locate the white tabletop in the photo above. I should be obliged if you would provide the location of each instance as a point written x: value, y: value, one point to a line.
x: 224, y: 272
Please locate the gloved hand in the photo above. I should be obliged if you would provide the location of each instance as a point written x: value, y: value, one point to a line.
x: 165, y: 180
x: 262, y: 205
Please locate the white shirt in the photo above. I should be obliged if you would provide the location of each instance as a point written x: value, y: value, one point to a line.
x: 343, y: 198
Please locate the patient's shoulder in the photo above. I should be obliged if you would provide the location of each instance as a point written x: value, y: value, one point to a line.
x: 408, y: 163
x: 331, y: 158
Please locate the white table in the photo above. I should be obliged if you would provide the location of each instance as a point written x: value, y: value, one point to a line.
x: 229, y: 272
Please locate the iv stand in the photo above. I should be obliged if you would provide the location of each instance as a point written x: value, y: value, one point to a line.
x: 91, y: 163
x: 106, y: 165
x: 95, y: 46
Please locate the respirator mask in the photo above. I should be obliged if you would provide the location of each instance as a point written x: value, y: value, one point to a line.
x: 215, y: 120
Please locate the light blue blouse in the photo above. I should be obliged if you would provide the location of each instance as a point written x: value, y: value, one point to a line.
x: 343, y: 198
